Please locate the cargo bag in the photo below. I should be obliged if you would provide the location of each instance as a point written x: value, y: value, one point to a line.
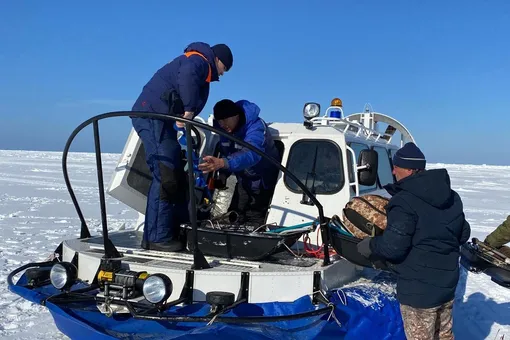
x: 365, y: 216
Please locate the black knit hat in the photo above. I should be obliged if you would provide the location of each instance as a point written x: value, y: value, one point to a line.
x: 409, y: 157
x: 225, y: 109
x: 223, y: 53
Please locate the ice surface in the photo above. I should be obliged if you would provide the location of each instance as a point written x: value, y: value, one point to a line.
x: 36, y: 213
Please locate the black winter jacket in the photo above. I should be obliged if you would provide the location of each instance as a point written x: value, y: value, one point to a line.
x: 426, y: 226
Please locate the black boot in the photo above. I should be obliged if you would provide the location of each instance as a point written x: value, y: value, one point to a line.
x: 170, y: 246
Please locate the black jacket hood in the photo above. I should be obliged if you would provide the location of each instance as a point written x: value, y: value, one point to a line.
x: 431, y: 186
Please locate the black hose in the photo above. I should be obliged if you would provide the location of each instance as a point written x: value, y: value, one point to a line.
x: 26, y: 266
x: 226, y: 319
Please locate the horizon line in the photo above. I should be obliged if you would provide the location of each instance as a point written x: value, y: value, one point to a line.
x: 120, y: 153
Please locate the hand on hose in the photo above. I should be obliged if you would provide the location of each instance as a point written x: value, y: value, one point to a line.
x: 211, y: 164
x: 187, y: 115
x: 364, y: 247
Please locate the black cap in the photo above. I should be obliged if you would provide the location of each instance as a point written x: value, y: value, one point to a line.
x: 223, y: 53
x: 225, y: 109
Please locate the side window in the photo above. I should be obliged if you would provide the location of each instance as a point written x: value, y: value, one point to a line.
x: 357, y: 147
x: 318, y: 161
x: 392, y: 153
x: 384, y: 171
x: 350, y: 167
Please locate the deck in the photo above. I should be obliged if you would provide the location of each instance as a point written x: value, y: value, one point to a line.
x: 128, y: 244
x: 281, y: 277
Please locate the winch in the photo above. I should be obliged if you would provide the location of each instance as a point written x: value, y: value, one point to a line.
x: 118, y: 282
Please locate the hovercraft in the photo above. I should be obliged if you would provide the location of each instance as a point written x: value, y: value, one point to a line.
x: 291, y: 278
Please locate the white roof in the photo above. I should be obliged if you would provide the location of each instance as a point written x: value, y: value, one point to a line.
x: 330, y: 128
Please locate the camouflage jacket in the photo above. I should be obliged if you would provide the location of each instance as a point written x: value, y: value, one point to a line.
x: 500, y: 235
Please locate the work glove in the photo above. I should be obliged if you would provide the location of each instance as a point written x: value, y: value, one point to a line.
x: 364, y: 247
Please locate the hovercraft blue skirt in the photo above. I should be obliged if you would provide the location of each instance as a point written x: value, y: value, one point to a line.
x: 360, y: 312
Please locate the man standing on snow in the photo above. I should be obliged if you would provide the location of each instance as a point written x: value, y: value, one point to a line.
x: 425, y: 228
x: 179, y: 88
x: 256, y: 177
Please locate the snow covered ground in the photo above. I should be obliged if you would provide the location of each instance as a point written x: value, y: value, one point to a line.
x: 36, y: 213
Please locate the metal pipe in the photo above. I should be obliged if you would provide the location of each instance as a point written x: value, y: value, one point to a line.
x: 108, y: 253
x: 157, y: 255
x: 84, y: 231
x: 227, y: 319
x: 199, y: 261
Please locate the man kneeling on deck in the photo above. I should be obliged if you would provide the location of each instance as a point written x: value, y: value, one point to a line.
x: 256, y: 177
x: 425, y: 228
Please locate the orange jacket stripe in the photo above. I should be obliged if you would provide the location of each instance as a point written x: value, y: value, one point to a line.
x: 209, y: 75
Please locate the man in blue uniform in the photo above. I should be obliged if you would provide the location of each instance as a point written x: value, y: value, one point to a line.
x: 179, y: 88
x: 256, y: 177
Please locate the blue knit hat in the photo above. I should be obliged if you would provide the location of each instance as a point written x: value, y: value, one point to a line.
x: 409, y: 157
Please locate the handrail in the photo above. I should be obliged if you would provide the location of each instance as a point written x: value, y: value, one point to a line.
x: 334, y: 122
x: 354, y: 170
x: 110, y: 250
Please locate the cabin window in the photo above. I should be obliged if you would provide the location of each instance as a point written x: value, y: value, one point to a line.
x: 357, y: 147
x: 384, y: 171
x: 317, y: 164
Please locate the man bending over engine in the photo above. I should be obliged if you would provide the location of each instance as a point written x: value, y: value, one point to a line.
x: 179, y: 88
x: 425, y: 228
x: 256, y: 177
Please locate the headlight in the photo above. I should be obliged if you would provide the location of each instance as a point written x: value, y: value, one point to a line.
x: 311, y: 110
x: 157, y: 288
x: 63, y: 275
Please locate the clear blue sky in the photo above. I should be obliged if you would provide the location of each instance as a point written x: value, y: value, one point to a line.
x: 440, y: 67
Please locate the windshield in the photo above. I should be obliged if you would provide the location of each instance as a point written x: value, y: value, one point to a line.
x: 318, y: 164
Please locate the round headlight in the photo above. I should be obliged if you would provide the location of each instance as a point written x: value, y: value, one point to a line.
x: 157, y: 288
x: 311, y: 110
x: 63, y: 275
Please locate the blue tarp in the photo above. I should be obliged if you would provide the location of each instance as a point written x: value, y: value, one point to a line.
x: 362, y: 312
